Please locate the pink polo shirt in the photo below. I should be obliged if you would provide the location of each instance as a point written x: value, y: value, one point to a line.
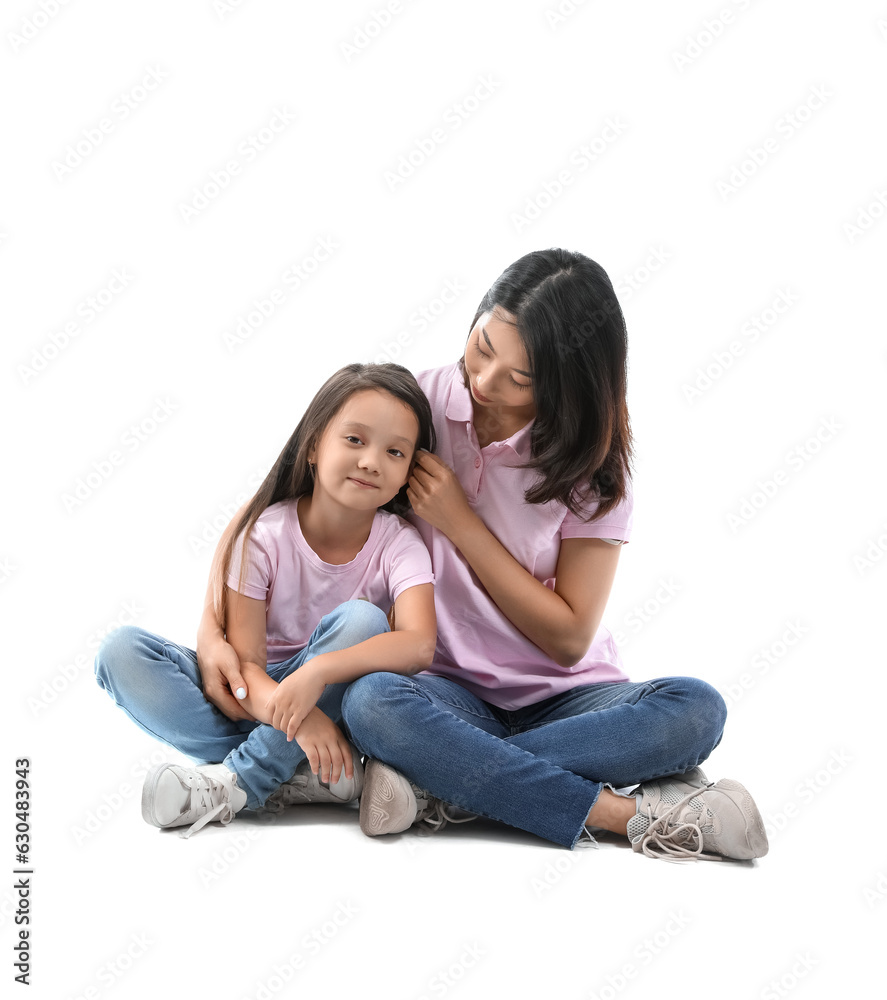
x: 477, y: 646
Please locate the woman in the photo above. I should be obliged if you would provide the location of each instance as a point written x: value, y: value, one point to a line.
x: 525, y: 715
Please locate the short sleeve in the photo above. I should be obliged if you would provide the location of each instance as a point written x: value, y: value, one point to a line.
x: 259, y: 568
x: 408, y: 562
x: 615, y: 526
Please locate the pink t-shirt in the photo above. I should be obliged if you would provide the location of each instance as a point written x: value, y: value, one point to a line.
x: 477, y: 646
x: 299, y: 588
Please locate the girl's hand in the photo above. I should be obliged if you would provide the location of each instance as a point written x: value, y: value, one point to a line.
x: 293, y: 699
x: 219, y: 668
x: 436, y: 494
x: 329, y: 753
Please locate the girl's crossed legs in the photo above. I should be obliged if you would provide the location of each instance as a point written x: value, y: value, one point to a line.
x: 157, y: 684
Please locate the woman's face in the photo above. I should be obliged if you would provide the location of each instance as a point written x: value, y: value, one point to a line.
x: 496, y: 364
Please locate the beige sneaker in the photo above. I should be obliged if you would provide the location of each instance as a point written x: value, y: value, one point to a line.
x: 680, y: 822
x: 305, y: 787
x: 391, y: 804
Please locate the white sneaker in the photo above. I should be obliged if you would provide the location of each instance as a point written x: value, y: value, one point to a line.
x: 305, y: 787
x: 192, y: 797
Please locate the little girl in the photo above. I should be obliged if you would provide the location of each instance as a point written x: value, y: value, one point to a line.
x: 300, y: 580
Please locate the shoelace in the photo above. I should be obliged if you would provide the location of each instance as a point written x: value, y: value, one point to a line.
x: 289, y: 793
x: 294, y: 790
x: 587, y: 839
x: 658, y: 841
x: 203, y: 789
x: 435, y: 816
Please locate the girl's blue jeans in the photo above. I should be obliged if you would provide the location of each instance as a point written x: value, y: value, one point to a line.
x: 157, y: 684
x: 539, y: 768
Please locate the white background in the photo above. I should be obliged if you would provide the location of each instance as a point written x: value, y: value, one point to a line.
x: 698, y: 238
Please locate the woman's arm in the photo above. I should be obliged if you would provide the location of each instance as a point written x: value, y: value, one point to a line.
x: 219, y: 665
x: 246, y: 624
x: 407, y: 650
x: 216, y: 660
x: 561, y: 622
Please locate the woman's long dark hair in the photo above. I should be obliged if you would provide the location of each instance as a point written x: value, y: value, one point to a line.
x: 290, y: 476
x: 573, y: 330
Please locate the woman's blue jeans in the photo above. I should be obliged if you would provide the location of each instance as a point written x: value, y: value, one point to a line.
x: 539, y: 768
x: 158, y: 685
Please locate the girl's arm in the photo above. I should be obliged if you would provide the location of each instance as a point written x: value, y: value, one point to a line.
x: 407, y: 650
x: 324, y: 744
x: 561, y: 622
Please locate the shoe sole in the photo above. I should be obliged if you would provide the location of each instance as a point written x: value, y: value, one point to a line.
x: 384, y: 804
x: 149, y: 790
x: 755, y: 834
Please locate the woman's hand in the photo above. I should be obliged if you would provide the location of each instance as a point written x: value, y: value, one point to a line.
x: 437, y: 495
x: 329, y: 753
x: 293, y: 699
x: 219, y: 668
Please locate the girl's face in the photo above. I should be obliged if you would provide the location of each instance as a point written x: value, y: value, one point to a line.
x: 496, y: 364
x: 365, y: 453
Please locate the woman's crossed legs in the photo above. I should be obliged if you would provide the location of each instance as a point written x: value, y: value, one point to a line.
x: 540, y: 768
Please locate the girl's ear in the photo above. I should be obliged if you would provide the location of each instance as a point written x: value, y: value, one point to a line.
x: 410, y: 469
